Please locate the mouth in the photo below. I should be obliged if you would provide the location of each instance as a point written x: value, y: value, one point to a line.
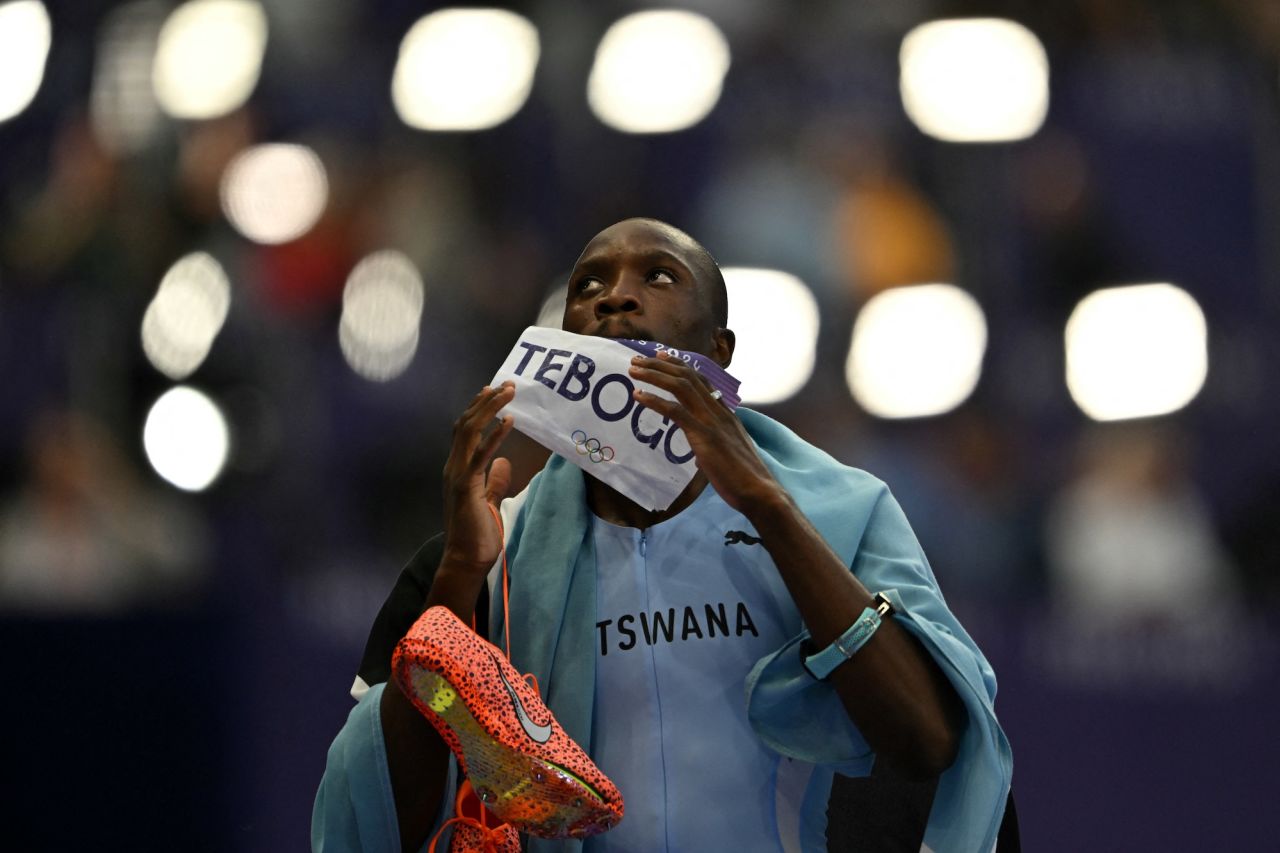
x: 620, y: 329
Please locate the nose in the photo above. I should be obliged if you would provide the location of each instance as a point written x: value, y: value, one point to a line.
x: 622, y: 297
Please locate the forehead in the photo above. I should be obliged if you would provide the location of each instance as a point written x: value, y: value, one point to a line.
x: 638, y: 239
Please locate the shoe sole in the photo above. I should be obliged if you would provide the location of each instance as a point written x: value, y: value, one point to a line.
x: 535, y: 796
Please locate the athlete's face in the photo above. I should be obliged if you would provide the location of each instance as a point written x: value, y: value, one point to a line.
x: 638, y: 279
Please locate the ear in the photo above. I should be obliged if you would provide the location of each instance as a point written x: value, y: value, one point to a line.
x: 725, y: 341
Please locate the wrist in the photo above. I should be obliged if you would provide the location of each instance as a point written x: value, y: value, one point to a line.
x: 456, y: 588
x: 462, y: 564
x: 767, y: 506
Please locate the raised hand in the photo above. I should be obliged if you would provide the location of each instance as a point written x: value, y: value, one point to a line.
x: 472, y: 539
x: 722, y: 449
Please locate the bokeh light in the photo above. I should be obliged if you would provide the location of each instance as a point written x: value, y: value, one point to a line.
x: 209, y: 57
x: 916, y: 351
x: 381, y: 314
x: 974, y: 80
x: 464, y: 69
x: 122, y: 104
x: 658, y: 71
x: 274, y: 193
x: 186, y: 314
x: 775, y: 318
x: 1136, y: 351
x: 25, y: 36
x: 186, y: 438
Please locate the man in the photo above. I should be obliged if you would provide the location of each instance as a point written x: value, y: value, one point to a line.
x: 806, y: 545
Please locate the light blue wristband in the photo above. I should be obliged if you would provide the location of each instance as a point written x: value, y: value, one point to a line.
x: 847, y: 644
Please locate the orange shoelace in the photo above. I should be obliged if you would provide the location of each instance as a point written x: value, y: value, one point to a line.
x: 506, y: 600
x: 492, y: 835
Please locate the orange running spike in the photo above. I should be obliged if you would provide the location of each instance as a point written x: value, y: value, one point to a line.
x: 522, y: 764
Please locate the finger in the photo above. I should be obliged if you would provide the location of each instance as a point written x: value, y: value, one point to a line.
x: 469, y: 435
x: 486, y: 417
x: 667, y: 366
x: 493, y: 402
x: 498, y: 482
x: 685, y: 388
x: 480, y: 458
x: 665, y: 363
x: 471, y: 426
x: 485, y: 400
x: 486, y: 393
x: 667, y: 408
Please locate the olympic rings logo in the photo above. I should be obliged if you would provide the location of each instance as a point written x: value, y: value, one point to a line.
x: 591, y: 447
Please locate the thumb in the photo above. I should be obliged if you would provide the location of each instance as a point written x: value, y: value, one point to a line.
x: 498, y: 481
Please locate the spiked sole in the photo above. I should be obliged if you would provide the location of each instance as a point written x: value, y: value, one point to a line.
x: 535, y: 796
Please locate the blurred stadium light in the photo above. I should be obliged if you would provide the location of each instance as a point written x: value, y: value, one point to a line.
x: 185, y: 315
x: 916, y: 351
x: 974, y: 80
x: 209, y: 57
x: 186, y: 438
x: 775, y: 318
x: 25, y: 36
x: 274, y: 193
x: 658, y: 71
x: 122, y: 105
x: 465, y: 69
x: 381, y: 314
x: 1136, y: 351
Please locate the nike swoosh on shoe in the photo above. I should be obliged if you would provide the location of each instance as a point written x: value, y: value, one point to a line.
x: 536, y: 733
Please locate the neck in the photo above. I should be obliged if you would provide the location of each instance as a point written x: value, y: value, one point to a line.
x: 610, y: 504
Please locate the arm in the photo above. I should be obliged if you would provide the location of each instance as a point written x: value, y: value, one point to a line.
x: 892, y: 688
x: 417, y: 758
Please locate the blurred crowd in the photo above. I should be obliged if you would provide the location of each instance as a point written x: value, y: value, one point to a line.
x: 1139, y: 553
x: 806, y: 165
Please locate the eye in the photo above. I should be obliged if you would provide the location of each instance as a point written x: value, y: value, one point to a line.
x: 586, y: 285
x: 661, y: 276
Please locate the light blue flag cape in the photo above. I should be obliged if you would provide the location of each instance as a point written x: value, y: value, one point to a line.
x: 551, y: 560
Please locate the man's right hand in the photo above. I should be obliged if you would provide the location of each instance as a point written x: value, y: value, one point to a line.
x: 472, y: 539
x: 417, y: 758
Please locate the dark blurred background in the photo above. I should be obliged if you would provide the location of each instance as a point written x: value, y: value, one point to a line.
x: 230, y: 370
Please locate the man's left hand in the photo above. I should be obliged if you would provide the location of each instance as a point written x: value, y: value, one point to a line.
x: 722, y: 449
